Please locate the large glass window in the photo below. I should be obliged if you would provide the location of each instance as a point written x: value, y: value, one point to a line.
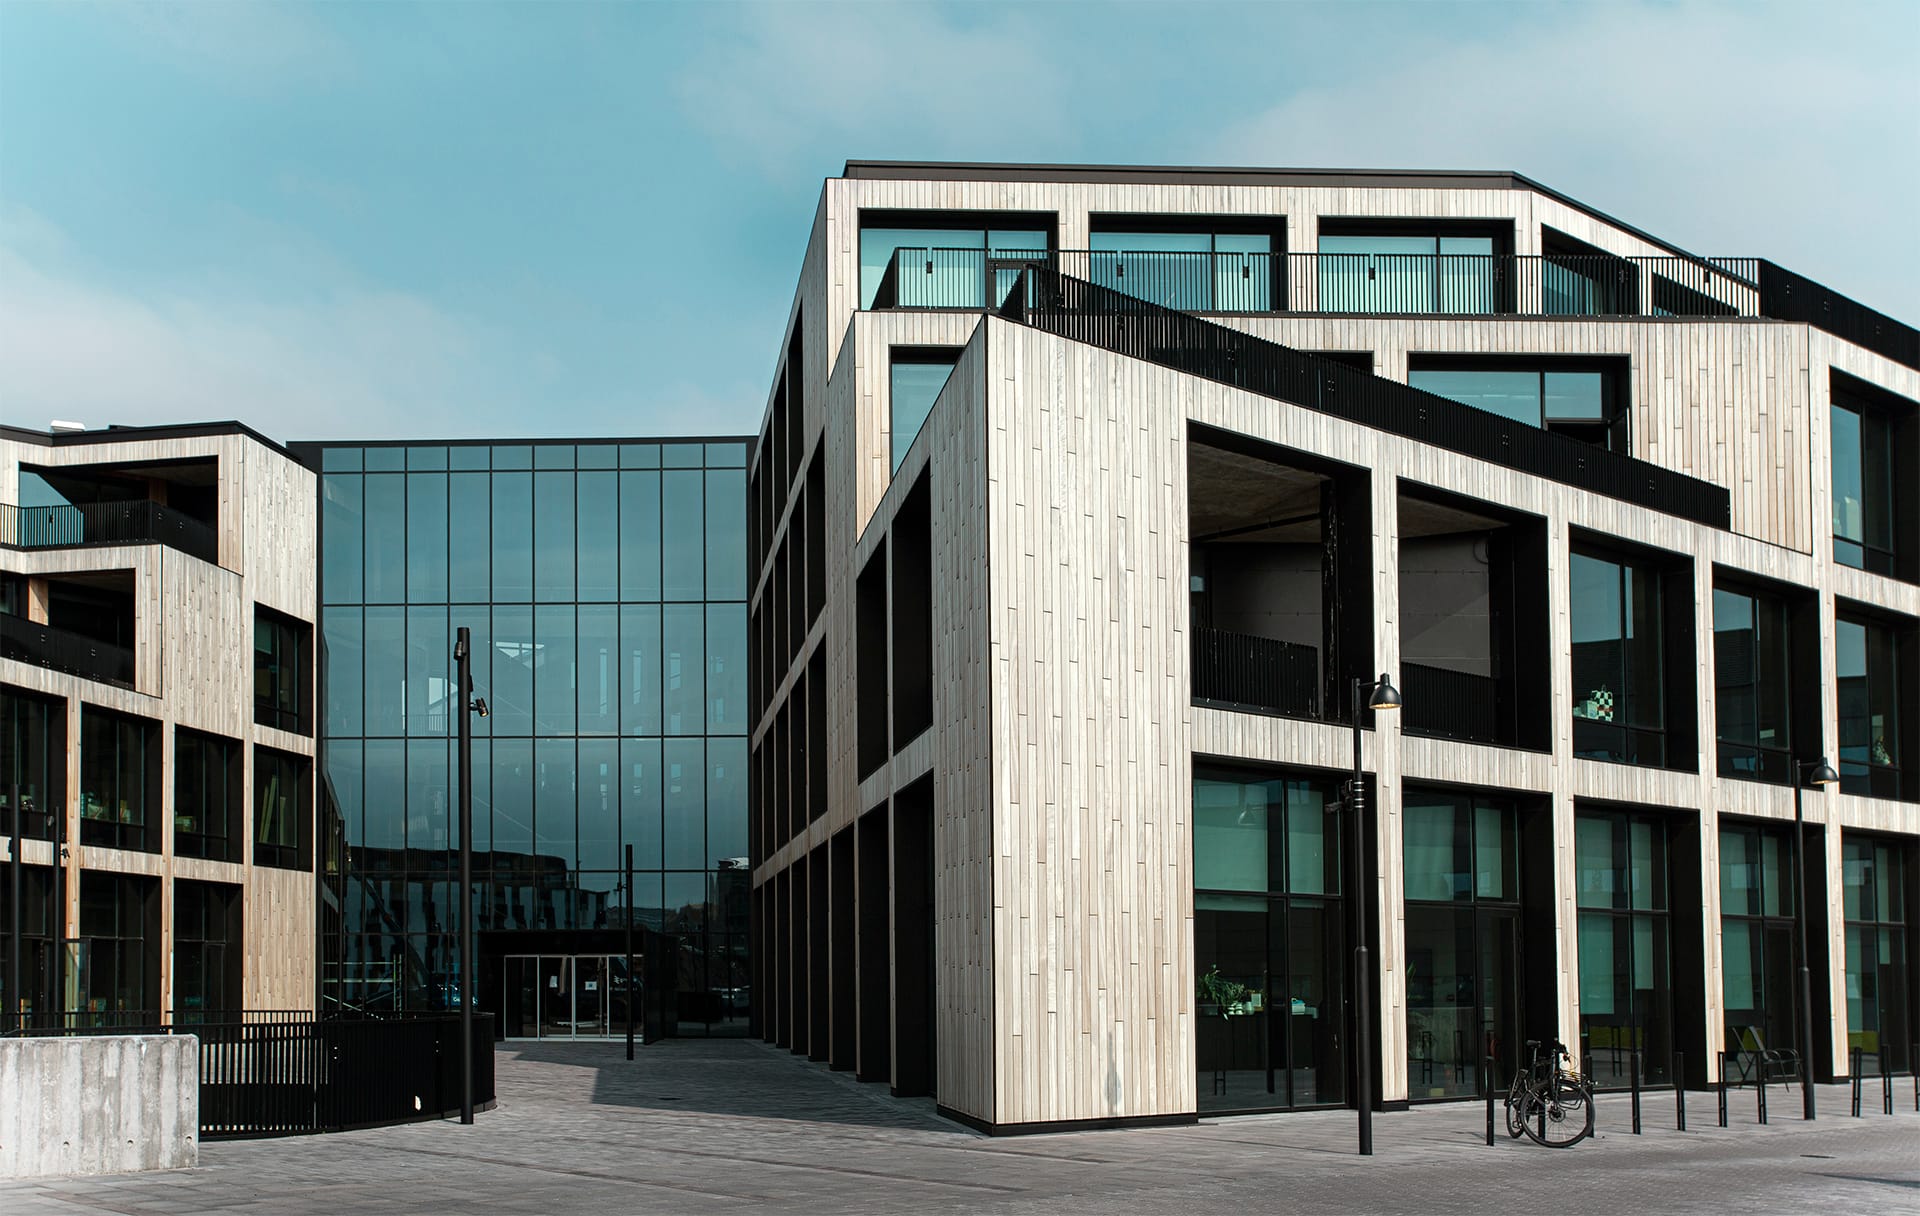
x: 116, y: 967
x: 1751, y: 678
x: 1463, y: 940
x: 943, y: 267
x: 206, y: 796
x: 281, y: 660
x: 33, y: 756
x: 1757, y: 969
x: 915, y: 377
x: 206, y: 952
x: 1619, y: 705
x: 1626, y: 967
x: 282, y: 809
x: 1583, y: 403
x: 119, y: 780
x: 1877, y: 874
x: 1863, y: 528
x: 1867, y: 664
x: 1411, y: 273
x: 1191, y: 271
x: 1269, y: 941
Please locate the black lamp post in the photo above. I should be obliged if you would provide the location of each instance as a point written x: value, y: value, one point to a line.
x: 468, y: 705
x: 1817, y: 772
x: 1382, y: 695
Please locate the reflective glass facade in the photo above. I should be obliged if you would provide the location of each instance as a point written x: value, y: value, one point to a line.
x: 604, y: 584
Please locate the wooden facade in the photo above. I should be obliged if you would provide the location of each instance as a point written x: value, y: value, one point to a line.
x: 1064, y: 734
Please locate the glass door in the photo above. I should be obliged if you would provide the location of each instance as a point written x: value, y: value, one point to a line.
x: 556, y: 997
x: 590, y: 996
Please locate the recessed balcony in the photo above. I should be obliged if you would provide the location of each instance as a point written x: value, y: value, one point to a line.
x: 107, y: 523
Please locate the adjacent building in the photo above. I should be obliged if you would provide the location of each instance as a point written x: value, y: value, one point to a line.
x: 1087, y: 503
x: 156, y: 725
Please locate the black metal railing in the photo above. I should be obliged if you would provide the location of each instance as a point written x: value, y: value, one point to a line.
x: 107, y: 523
x: 1244, y: 671
x: 1791, y: 297
x: 1086, y: 312
x: 62, y: 650
x: 290, y: 1073
x: 1449, y: 704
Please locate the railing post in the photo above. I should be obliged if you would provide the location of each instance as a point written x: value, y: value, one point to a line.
x: 1856, y: 1064
x: 1486, y: 1082
x: 1760, y: 1092
x: 1633, y: 1062
x: 1723, y: 1089
x: 1679, y: 1091
x: 1886, y: 1082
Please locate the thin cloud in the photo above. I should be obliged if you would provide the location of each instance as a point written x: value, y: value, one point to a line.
x: 1781, y: 132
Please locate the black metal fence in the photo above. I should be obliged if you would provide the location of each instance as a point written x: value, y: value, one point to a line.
x: 1086, y: 312
x: 62, y: 650
x: 1791, y: 297
x: 107, y: 523
x: 1450, y: 704
x: 274, y: 1073
x: 1261, y: 673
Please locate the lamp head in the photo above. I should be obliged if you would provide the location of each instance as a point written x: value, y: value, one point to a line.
x: 1822, y: 773
x: 480, y: 706
x: 1384, y: 695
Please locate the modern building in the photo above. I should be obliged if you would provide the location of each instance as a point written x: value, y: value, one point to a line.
x: 604, y: 585
x: 156, y: 725
x: 1089, y: 503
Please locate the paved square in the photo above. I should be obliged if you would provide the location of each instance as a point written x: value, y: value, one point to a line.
x: 735, y: 1126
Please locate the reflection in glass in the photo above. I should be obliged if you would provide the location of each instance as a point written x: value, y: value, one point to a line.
x: 726, y: 534
x: 599, y: 545
x: 682, y: 502
x: 386, y: 671
x: 427, y: 538
x: 683, y: 666
x: 553, y: 536
x: 640, y: 651
x: 1868, y: 657
x: 1619, y: 705
x: 512, y: 536
x: 342, y: 569
x: 1626, y: 994
x: 726, y: 669
x: 599, y: 669
x: 914, y: 385
x: 469, y: 555
x: 639, y: 536
x: 1879, y: 990
x: 683, y: 763
x: 554, y: 706
x: 386, y: 539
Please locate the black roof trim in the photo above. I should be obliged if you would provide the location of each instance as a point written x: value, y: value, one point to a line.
x: 142, y: 434
x: 307, y: 451
x: 1197, y: 175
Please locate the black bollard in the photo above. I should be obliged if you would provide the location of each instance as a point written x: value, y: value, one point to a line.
x: 1486, y: 1080
x: 1855, y: 1070
x: 1633, y: 1061
x: 1760, y: 1091
x: 1679, y: 1091
x: 1723, y: 1090
x: 1886, y: 1083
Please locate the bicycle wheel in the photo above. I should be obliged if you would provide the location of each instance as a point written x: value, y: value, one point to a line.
x: 1561, y: 1115
x: 1517, y: 1095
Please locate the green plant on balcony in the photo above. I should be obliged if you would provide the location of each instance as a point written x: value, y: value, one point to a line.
x: 1228, y: 998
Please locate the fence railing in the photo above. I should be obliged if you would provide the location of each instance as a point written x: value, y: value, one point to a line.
x: 62, y: 650
x: 1453, y: 705
x: 280, y: 1073
x: 1086, y: 312
x: 107, y: 523
x: 1261, y: 673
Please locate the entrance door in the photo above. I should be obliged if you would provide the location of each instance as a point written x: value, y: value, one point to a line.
x: 556, y: 997
x: 590, y: 996
x: 564, y: 996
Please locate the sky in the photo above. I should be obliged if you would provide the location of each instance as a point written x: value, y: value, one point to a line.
x: 371, y: 220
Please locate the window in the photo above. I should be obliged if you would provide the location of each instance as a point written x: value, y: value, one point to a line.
x: 1195, y: 271
x: 1625, y: 952
x: 1757, y: 889
x: 1582, y: 402
x: 1408, y: 272
x: 1462, y: 939
x: 116, y: 968
x: 1868, y: 665
x: 916, y: 376
x: 1863, y: 481
x: 33, y: 756
x: 282, y: 649
x: 1751, y: 666
x: 119, y: 780
x: 1876, y: 874
x: 206, y: 796
x: 945, y: 262
x: 206, y: 952
x: 1270, y: 940
x: 1619, y: 662
x: 282, y: 809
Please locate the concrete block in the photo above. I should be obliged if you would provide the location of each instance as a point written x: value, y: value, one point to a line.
x: 101, y: 1104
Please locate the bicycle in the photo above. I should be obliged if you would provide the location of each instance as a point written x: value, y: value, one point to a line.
x: 1550, y: 1105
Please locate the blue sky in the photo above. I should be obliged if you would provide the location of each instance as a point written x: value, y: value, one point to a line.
x: 383, y: 219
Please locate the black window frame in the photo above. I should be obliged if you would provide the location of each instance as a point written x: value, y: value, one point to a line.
x: 1612, y: 433
x: 1798, y: 659
x: 195, y: 753
x: 1671, y: 577
x: 33, y: 743
x: 269, y: 764
x: 207, y: 921
x: 130, y: 732
x: 1894, y: 677
x: 282, y: 646
x: 1898, y: 420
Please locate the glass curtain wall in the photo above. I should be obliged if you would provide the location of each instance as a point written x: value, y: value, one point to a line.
x: 1464, y: 978
x: 1875, y: 876
x: 1619, y: 710
x: 1625, y: 951
x: 1867, y: 657
x: 1269, y: 941
x: 1758, y: 973
x: 1751, y: 674
x: 605, y: 587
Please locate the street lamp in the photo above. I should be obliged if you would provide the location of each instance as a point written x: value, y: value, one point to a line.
x: 1382, y: 695
x: 468, y: 705
x: 1815, y: 772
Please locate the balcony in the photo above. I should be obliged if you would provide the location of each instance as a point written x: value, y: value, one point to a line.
x: 107, y: 523
x: 1240, y: 671
x: 1368, y: 284
x: 56, y: 649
